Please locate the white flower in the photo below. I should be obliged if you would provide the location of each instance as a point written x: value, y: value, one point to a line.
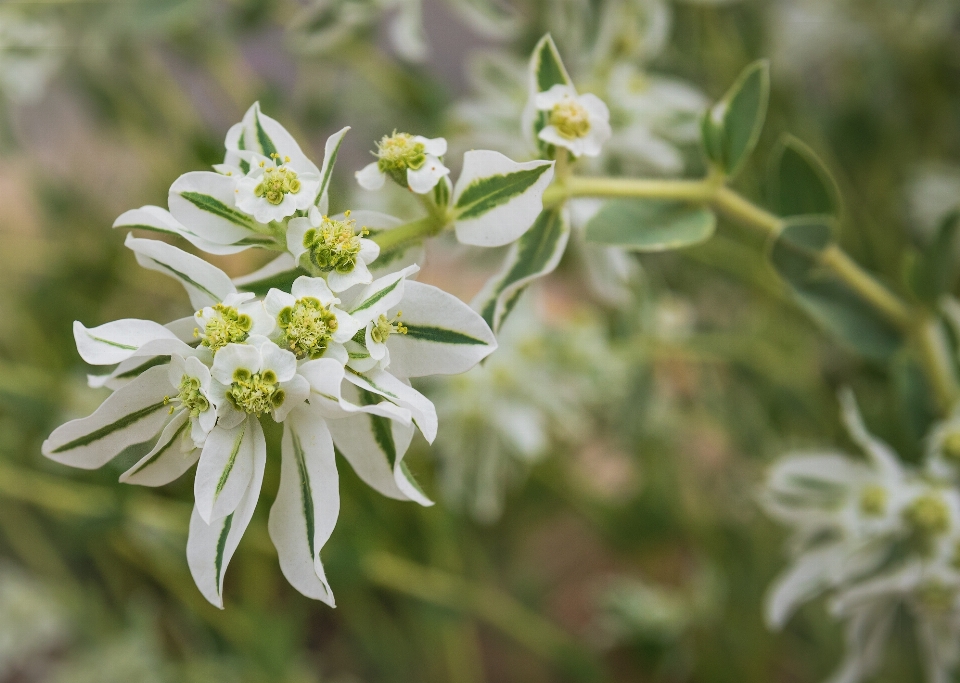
x: 410, y: 160
x: 333, y: 248
x: 580, y: 123
x: 309, y: 322
x: 231, y: 321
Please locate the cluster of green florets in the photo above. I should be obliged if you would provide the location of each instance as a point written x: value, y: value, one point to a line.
x: 334, y: 245
x: 229, y: 326
x: 384, y: 327
x: 873, y: 500
x: 190, y: 396
x: 928, y: 517
x: 308, y: 327
x: 570, y: 118
x: 277, y: 182
x: 398, y: 152
x: 255, y: 393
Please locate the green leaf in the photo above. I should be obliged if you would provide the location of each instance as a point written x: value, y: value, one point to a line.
x: 485, y: 194
x: 796, y: 255
x: 534, y: 255
x: 546, y: 65
x: 732, y: 126
x: 650, y: 224
x: 800, y: 184
x: 932, y: 272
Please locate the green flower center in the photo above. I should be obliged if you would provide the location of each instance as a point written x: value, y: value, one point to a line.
x: 277, y: 182
x: 873, y: 500
x: 228, y: 326
x: 334, y: 245
x: 928, y: 517
x: 936, y: 596
x: 383, y: 328
x: 255, y: 393
x: 398, y: 152
x: 308, y: 327
x: 190, y: 397
x: 570, y: 118
x: 951, y: 447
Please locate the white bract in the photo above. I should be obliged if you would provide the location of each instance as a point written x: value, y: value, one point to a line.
x: 579, y: 123
x: 411, y: 161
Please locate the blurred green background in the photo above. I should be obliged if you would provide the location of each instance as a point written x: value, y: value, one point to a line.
x: 627, y: 545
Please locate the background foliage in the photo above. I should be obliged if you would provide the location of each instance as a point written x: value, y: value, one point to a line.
x: 631, y: 546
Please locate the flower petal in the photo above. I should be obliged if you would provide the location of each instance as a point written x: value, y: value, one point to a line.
x: 224, y: 470
x: 370, y: 178
x: 167, y: 460
x: 116, y: 341
x: 394, y: 390
x: 427, y: 176
x: 156, y: 219
x: 131, y: 415
x: 307, y: 504
x: 330, y: 150
x: 380, y: 295
x: 211, y: 546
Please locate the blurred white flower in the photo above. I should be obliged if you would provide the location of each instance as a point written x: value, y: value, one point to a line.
x: 409, y: 160
x: 579, y: 123
x: 30, y: 53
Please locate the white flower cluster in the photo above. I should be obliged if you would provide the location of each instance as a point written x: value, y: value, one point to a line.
x: 876, y: 536
x: 329, y: 354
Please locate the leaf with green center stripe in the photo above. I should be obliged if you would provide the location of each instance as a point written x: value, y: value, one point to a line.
x: 381, y: 294
x: 534, y: 255
x: 206, y: 202
x: 650, y: 224
x: 210, y: 547
x: 496, y: 199
x: 444, y: 335
x: 133, y: 414
x: 206, y: 284
x: 224, y: 470
x: 374, y: 446
x: 796, y: 255
x: 307, y: 504
x: 167, y: 460
x: 730, y: 129
x: 330, y: 151
x: 545, y: 70
x: 116, y: 341
x: 157, y: 220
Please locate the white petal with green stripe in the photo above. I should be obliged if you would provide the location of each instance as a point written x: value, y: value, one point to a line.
x: 380, y: 295
x: 330, y: 151
x: 402, y: 394
x: 534, y: 255
x: 544, y: 71
x: 116, y: 341
x: 131, y: 415
x: 156, y: 219
x: 126, y: 372
x: 211, y: 546
x: 206, y: 284
x: 307, y: 504
x: 325, y: 377
x: 444, y: 336
x: 224, y: 470
x: 496, y: 199
x: 167, y: 460
x: 206, y: 201
x: 374, y: 446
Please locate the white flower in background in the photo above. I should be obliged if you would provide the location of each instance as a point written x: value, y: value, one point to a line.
x: 411, y: 161
x: 877, y: 536
x: 332, y: 247
x: 30, y: 53
x: 580, y: 123
x: 309, y: 322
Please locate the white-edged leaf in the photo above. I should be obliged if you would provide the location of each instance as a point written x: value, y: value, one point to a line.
x: 206, y: 284
x: 650, y: 224
x: 384, y: 384
x: 211, y: 546
x: 444, y: 335
x: 133, y: 414
x: 206, y: 201
x: 224, y: 470
x: 116, y: 341
x: 381, y: 295
x: 167, y: 460
x: 534, y: 255
x: 156, y: 219
x: 330, y: 150
x: 307, y: 504
x: 497, y: 199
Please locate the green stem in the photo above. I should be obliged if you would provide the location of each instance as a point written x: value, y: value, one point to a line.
x: 580, y: 186
x: 414, y: 231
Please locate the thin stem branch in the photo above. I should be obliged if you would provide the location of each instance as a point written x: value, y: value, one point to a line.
x: 414, y: 231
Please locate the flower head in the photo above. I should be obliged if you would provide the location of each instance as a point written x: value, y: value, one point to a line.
x: 580, y: 123
x: 409, y: 160
x: 309, y: 322
x: 333, y: 247
x: 231, y: 322
x: 277, y: 187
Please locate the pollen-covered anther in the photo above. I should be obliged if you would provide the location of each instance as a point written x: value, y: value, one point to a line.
x: 308, y: 327
x: 398, y: 152
x: 384, y: 327
x: 277, y: 182
x: 226, y: 326
x: 873, y: 500
x: 334, y: 245
x: 570, y: 118
x: 255, y: 393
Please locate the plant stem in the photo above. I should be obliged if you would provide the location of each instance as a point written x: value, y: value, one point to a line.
x: 414, y: 231
x: 580, y: 186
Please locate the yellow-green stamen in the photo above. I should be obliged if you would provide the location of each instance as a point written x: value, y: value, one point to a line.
x: 255, y: 393
x: 570, y: 118
x: 277, y: 182
x: 335, y: 245
x: 398, y: 152
x: 227, y: 326
x: 308, y: 327
x: 383, y: 328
